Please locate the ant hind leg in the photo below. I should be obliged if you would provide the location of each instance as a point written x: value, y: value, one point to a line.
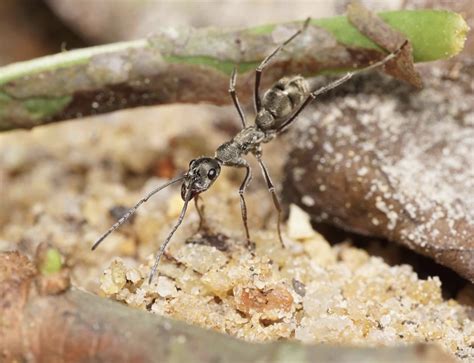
x: 261, y: 67
x: 200, y: 209
x: 337, y: 83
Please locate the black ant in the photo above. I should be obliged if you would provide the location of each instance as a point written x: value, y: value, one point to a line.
x: 275, y: 112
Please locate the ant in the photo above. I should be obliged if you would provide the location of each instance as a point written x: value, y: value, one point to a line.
x: 275, y: 112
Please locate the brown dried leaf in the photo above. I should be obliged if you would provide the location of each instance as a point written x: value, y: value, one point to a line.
x: 382, y: 34
x: 396, y: 165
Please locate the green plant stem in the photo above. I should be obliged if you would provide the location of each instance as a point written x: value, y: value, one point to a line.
x: 193, y: 65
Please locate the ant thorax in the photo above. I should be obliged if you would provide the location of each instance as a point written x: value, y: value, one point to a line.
x: 247, y: 140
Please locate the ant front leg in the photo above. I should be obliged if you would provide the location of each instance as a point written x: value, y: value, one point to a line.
x: 271, y: 189
x: 200, y: 210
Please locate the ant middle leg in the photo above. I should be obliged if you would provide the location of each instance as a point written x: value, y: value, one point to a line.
x: 271, y: 189
x: 261, y: 67
x: 233, y: 95
x: 243, y: 205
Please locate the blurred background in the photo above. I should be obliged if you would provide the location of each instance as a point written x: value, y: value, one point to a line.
x: 33, y: 28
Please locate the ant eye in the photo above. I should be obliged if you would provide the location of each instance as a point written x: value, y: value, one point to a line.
x: 211, y: 174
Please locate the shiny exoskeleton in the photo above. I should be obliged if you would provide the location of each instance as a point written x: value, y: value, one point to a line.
x: 278, y: 108
x: 274, y: 112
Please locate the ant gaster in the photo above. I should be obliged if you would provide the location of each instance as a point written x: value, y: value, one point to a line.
x: 278, y: 108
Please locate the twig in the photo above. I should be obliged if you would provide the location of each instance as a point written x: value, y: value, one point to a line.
x: 190, y: 65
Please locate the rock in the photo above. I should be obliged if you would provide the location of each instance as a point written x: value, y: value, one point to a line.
x: 381, y: 159
x: 299, y: 224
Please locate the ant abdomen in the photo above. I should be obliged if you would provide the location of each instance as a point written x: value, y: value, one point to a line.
x: 280, y: 101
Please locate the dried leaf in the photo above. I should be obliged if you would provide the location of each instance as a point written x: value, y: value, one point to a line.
x: 396, y: 165
x: 385, y: 36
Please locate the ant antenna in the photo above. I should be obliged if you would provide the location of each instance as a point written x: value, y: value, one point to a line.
x: 187, y: 198
x: 132, y: 210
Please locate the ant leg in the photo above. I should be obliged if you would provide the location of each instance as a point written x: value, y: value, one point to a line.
x: 167, y: 240
x: 233, y: 95
x: 260, y: 68
x: 337, y: 83
x: 200, y: 210
x: 271, y: 189
x: 243, y: 205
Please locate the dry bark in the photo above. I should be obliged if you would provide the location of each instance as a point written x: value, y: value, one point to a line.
x: 78, y: 327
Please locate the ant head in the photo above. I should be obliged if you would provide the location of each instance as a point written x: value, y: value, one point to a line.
x: 201, y: 175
